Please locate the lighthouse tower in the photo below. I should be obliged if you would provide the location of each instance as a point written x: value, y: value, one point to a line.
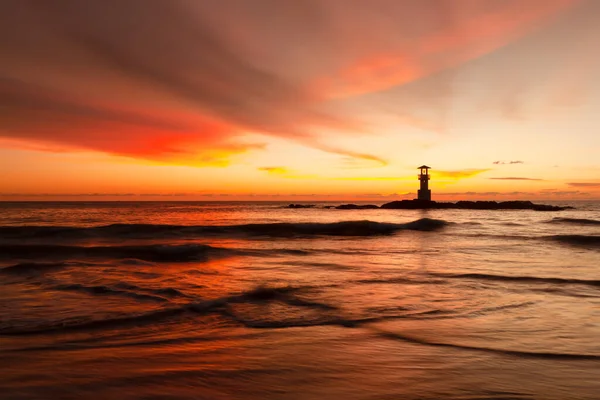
x: 424, y: 192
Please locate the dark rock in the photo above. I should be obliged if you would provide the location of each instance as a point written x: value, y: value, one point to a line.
x: 471, y: 205
x: 414, y: 204
x: 301, y: 206
x: 356, y: 206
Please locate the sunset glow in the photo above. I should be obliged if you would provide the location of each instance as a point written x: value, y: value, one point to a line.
x: 324, y: 100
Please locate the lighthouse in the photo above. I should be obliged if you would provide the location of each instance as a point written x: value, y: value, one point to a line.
x: 424, y: 193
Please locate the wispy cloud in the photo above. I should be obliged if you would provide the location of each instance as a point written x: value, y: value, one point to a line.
x: 508, y: 162
x: 459, y: 174
x: 352, y: 154
x: 516, y: 178
x: 469, y: 193
x: 95, y: 194
x: 370, y: 178
x: 556, y: 192
x: 284, y: 172
x: 275, y: 170
x: 584, y: 184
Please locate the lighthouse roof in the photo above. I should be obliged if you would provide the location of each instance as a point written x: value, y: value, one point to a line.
x: 424, y: 166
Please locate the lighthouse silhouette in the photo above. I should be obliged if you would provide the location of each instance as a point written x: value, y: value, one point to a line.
x: 424, y: 193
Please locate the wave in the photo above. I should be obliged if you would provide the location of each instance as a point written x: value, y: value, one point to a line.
x: 125, y: 289
x: 487, y: 310
x: 524, y: 279
x: 281, y: 229
x: 563, y: 292
x: 425, y: 224
x: 508, y: 352
x: 511, y: 224
x: 152, y: 253
x: 221, y: 305
x: 401, y: 280
x: 589, y: 241
x: 496, y: 236
x: 32, y: 267
x: 107, y: 323
x: 168, y: 291
x: 328, y: 315
x: 575, y: 221
x: 101, y: 289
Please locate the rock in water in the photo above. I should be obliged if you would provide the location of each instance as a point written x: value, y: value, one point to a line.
x: 472, y: 205
x: 356, y: 207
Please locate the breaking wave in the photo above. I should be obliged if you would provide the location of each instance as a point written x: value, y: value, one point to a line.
x: 101, y: 289
x: 259, y: 295
x: 282, y: 229
x: 508, y: 352
x: 575, y: 221
x: 226, y: 307
x: 32, y: 267
x: 590, y: 241
x: 107, y: 323
x: 158, y: 253
x: 524, y: 279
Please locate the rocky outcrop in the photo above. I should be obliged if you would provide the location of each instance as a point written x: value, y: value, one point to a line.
x: 301, y: 206
x: 471, y: 205
x: 462, y: 204
x: 356, y: 206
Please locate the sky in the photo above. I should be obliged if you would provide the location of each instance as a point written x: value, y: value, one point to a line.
x: 299, y: 100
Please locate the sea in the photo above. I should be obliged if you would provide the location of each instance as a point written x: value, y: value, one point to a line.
x: 238, y: 300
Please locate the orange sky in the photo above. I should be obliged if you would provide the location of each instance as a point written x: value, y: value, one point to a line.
x: 327, y: 99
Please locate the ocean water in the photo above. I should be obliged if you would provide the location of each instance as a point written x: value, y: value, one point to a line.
x: 179, y: 300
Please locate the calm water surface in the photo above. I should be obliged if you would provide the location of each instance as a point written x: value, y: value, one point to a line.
x: 257, y: 301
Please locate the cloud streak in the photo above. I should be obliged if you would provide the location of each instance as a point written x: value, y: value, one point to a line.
x: 516, y: 178
x: 179, y: 81
x: 275, y: 170
x: 508, y: 162
x: 284, y: 172
x: 51, y: 118
x: 204, y: 91
x: 459, y: 174
x: 584, y: 184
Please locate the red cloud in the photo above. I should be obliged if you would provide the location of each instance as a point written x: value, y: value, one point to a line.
x: 172, y: 80
x: 52, y: 118
x: 440, y: 37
